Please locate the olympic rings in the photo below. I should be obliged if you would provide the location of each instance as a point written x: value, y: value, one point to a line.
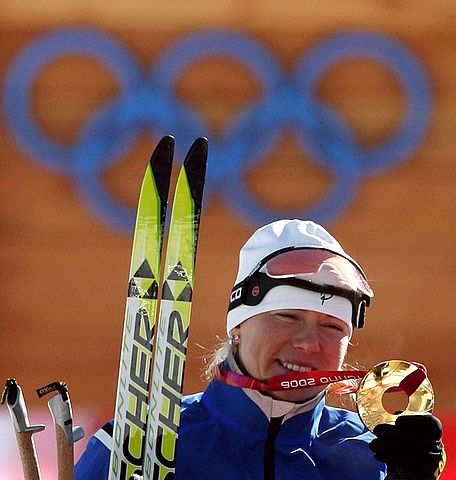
x: 147, y: 100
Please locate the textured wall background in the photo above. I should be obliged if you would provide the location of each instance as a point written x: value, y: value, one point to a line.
x: 64, y: 271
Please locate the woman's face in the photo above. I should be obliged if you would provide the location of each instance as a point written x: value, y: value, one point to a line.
x: 286, y: 341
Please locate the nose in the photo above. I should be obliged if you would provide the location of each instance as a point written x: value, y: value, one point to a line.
x: 306, y: 338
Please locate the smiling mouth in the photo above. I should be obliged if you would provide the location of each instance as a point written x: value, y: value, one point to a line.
x: 294, y: 367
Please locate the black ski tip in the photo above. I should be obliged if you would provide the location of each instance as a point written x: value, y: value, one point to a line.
x: 164, y: 151
x: 195, y: 165
x: 161, y: 162
x: 198, y: 149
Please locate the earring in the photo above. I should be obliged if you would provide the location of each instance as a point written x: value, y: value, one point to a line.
x: 234, y: 339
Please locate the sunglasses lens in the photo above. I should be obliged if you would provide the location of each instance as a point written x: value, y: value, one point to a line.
x: 319, y: 266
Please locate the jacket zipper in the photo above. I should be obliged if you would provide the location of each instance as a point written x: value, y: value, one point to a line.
x: 269, y: 450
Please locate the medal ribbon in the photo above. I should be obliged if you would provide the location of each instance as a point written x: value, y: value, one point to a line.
x: 412, y: 381
x: 288, y: 381
x: 315, y: 378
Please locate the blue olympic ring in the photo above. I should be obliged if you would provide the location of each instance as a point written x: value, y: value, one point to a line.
x: 147, y: 100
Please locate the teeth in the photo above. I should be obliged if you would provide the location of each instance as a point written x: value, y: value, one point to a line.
x: 295, y: 367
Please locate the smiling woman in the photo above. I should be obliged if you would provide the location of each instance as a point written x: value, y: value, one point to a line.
x: 263, y: 414
x: 280, y: 341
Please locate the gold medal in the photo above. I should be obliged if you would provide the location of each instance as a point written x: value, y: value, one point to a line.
x: 393, y: 376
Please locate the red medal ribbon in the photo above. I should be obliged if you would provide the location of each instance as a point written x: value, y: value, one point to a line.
x: 315, y: 378
x: 289, y: 381
x: 412, y: 381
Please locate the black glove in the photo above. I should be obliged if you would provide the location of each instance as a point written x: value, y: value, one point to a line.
x: 412, y: 448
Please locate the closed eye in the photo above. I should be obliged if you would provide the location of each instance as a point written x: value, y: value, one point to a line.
x: 334, y: 327
x: 286, y: 316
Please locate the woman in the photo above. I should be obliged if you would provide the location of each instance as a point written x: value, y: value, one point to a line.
x: 295, y: 302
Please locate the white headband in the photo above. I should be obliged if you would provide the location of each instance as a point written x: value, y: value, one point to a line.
x: 285, y: 297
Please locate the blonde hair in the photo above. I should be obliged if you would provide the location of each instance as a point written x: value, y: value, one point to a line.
x: 214, y: 358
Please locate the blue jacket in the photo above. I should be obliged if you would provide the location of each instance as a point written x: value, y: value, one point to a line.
x: 223, y: 435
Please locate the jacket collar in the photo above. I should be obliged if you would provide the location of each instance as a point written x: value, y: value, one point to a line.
x: 270, y: 406
x: 250, y: 411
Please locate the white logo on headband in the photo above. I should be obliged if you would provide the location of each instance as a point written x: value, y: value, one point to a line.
x: 236, y: 295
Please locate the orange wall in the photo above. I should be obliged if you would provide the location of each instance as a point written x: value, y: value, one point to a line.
x: 64, y: 272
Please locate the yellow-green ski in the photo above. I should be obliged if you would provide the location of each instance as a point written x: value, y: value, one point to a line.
x: 174, y: 318
x: 130, y: 417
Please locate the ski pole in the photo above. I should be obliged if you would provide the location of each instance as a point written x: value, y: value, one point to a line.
x: 66, y: 434
x: 12, y: 395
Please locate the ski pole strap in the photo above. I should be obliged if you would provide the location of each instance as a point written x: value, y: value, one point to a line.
x: 60, y: 387
x: 289, y: 381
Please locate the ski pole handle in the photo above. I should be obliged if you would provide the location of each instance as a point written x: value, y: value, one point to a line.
x: 65, y: 455
x: 66, y: 435
x: 15, y: 402
x: 27, y: 453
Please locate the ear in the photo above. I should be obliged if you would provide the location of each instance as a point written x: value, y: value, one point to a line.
x: 235, y: 330
x: 235, y: 335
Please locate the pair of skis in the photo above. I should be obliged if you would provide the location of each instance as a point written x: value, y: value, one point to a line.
x: 153, y: 353
x: 66, y: 434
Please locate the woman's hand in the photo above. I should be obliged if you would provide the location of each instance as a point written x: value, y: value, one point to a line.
x: 412, y: 448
